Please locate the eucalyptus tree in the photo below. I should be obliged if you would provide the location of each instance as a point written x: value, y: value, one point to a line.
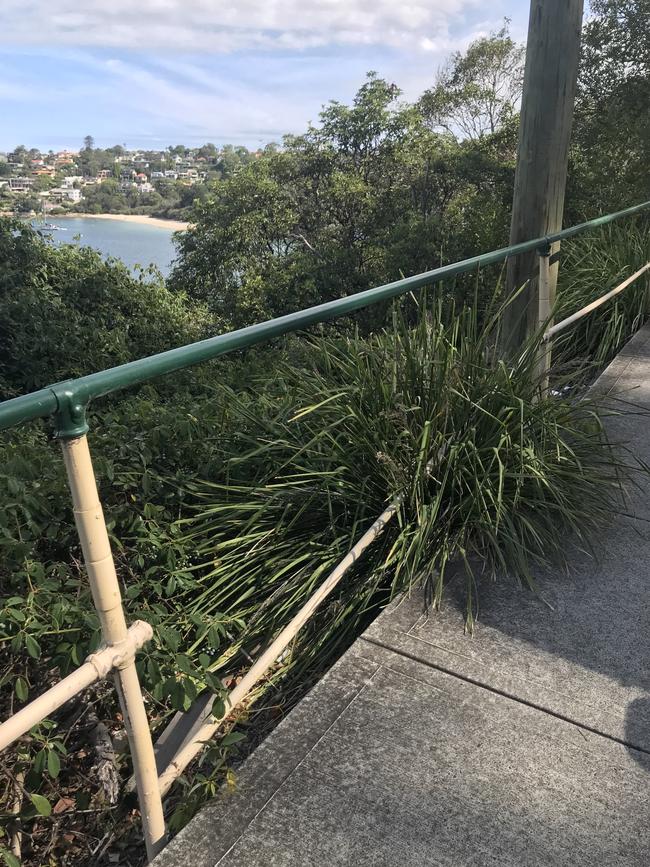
x: 477, y: 92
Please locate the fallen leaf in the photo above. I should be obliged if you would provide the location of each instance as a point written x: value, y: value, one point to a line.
x: 62, y: 805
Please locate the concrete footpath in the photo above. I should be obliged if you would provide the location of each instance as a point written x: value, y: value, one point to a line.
x: 526, y: 744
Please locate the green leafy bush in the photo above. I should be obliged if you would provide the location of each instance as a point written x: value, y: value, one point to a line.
x: 226, y: 512
x: 66, y: 311
x: 231, y: 491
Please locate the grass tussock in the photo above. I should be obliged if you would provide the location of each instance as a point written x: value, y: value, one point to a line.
x: 593, y: 264
x: 489, y: 472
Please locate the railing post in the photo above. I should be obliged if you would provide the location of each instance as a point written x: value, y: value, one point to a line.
x: 545, y: 307
x: 98, y: 559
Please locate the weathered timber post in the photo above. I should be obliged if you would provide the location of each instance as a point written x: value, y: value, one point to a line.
x: 552, y: 57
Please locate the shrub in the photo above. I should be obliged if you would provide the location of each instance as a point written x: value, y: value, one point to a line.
x: 66, y: 311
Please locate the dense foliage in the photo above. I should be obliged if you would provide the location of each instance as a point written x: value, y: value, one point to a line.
x: 384, y: 188
x: 477, y: 93
x: 611, y: 132
x: 228, y: 504
x: 369, y: 194
x: 68, y: 312
x: 591, y: 266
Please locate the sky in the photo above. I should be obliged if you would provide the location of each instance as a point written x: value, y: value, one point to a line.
x: 150, y: 73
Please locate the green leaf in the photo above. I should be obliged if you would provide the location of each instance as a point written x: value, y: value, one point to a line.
x: 218, y: 708
x: 32, y: 646
x: 178, y: 697
x: 53, y: 764
x: 43, y: 806
x: 21, y: 688
x: 213, y: 637
x: 170, y: 637
x: 232, y: 738
x: 183, y: 664
x: 9, y: 858
x: 38, y: 765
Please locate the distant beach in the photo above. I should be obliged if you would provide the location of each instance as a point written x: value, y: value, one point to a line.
x: 142, y: 219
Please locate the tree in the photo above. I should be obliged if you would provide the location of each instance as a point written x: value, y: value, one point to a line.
x: 89, y: 143
x: 367, y: 195
x: 19, y: 154
x: 476, y: 93
x: 25, y: 204
x: 231, y: 160
x: 611, y: 150
x: 104, y: 198
x: 42, y: 183
x: 209, y: 151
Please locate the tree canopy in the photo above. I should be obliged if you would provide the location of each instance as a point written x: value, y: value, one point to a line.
x: 477, y: 92
x: 353, y: 201
x: 383, y: 187
x: 611, y: 133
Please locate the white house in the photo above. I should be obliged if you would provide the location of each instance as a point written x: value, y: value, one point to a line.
x: 60, y: 194
x: 20, y: 185
x: 71, y: 180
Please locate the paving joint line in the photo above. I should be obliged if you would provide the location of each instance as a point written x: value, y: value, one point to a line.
x: 505, y: 694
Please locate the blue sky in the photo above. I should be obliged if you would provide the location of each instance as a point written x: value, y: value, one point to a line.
x: 161, y: 72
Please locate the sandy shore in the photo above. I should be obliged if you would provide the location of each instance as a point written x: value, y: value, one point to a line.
x: 143, y: 219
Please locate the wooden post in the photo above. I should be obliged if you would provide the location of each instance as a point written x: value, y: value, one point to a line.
x: 552, y: 57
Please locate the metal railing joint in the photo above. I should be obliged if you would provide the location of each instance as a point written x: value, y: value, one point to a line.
x: 72, y: 400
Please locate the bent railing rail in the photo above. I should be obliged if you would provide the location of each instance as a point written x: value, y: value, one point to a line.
x: 67, y: 402
x: 594, y: 305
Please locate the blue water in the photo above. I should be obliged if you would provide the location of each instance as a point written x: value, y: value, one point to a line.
x: 133, y: 243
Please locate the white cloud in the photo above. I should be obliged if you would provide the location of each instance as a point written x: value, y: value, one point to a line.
x: 227, y: 26
x: 197, y: 109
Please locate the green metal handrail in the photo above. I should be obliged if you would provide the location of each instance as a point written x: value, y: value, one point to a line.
x: 69, y: 399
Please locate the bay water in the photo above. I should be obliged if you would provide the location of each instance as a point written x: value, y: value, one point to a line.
x: 134, y: 243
